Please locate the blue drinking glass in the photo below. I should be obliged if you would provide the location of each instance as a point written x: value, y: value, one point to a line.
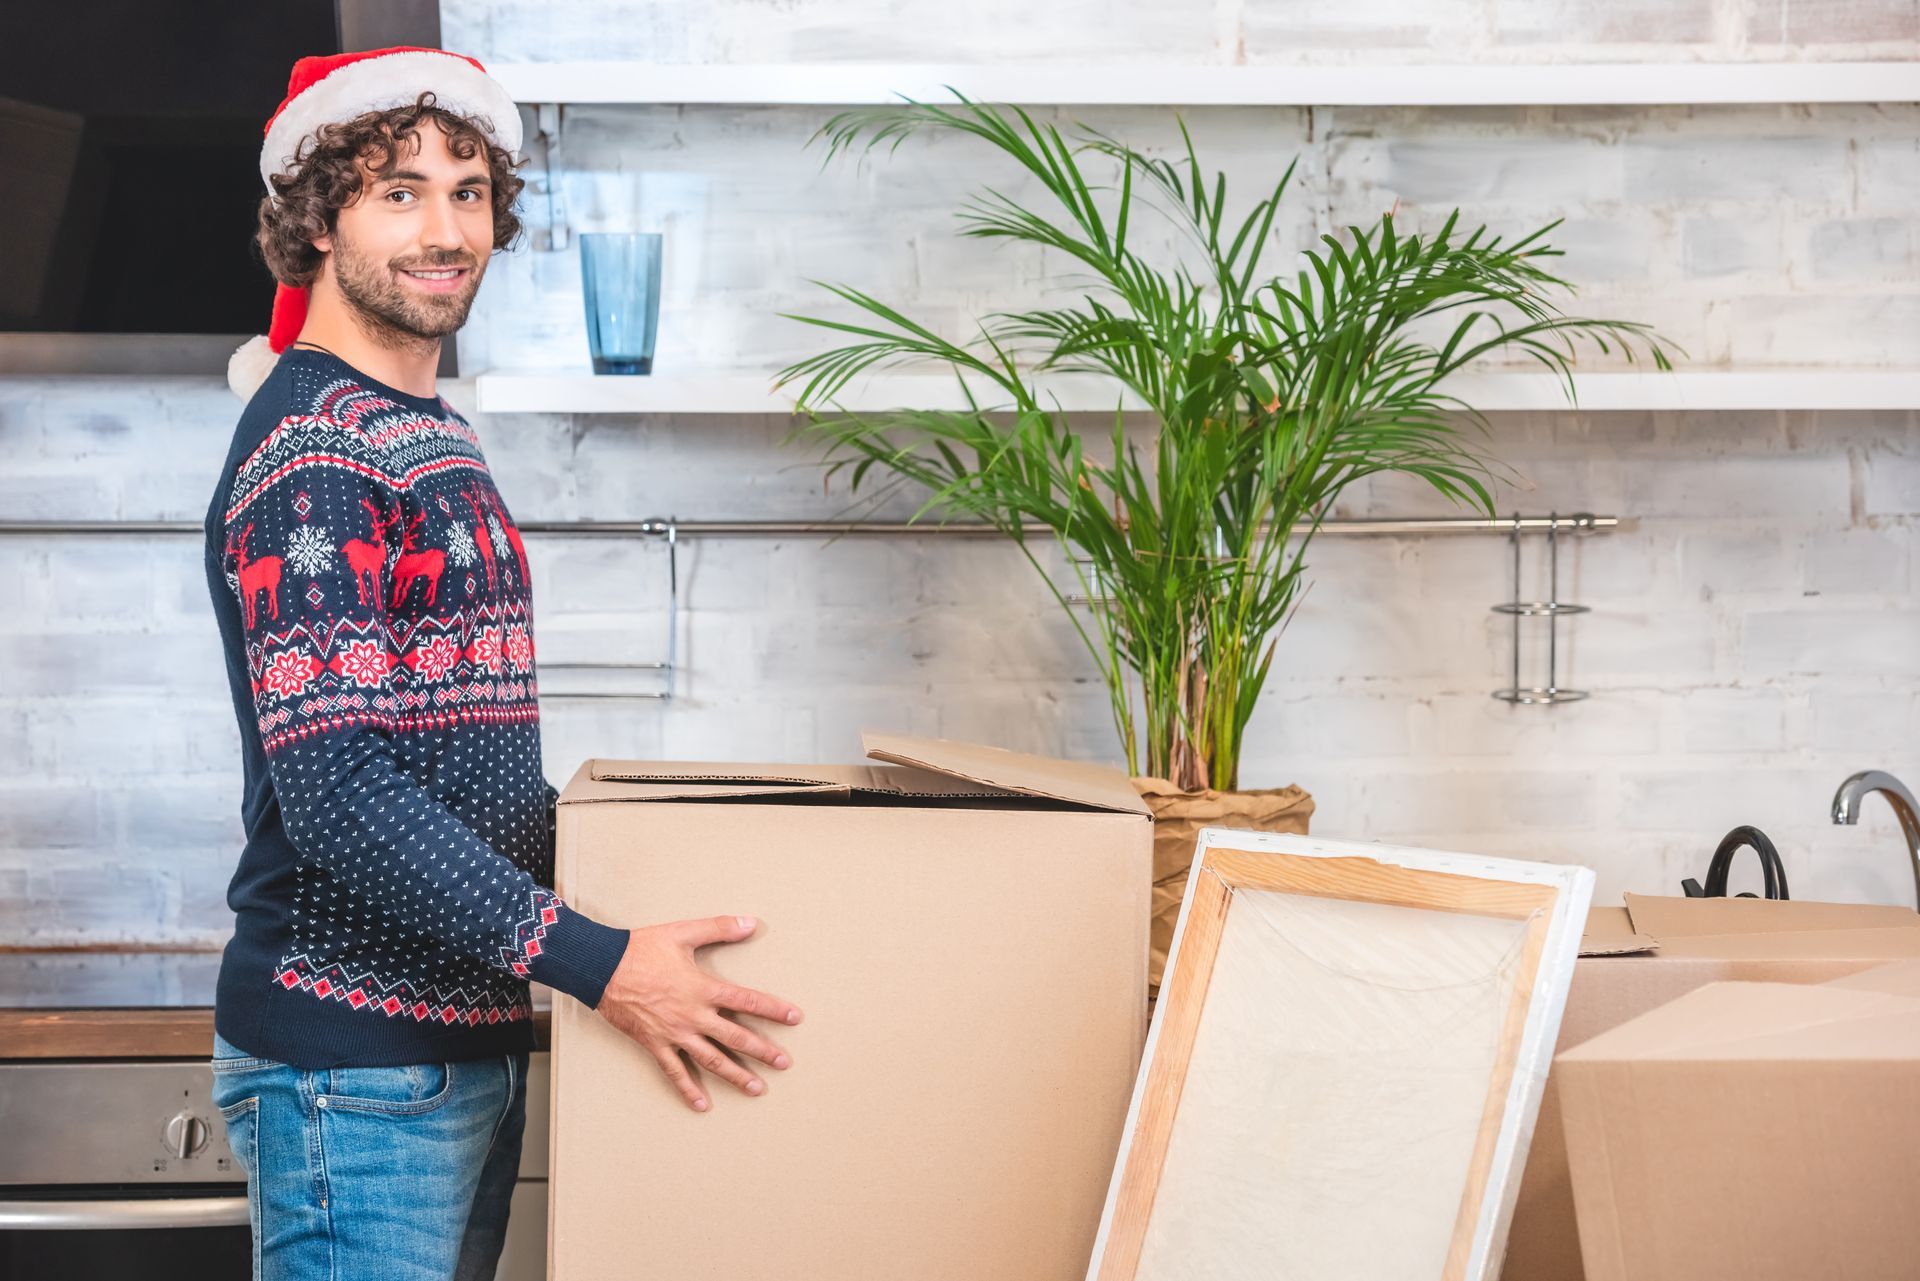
x: 621, y: 272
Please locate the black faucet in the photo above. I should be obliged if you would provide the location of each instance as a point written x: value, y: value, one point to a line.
x: 1732, y: 843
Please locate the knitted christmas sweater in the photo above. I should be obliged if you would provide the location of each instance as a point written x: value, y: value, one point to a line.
x: 393, y: 898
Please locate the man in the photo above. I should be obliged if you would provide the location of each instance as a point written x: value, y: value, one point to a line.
x: 393, y: 899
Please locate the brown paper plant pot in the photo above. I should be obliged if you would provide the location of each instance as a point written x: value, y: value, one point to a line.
x: 1178, y: 817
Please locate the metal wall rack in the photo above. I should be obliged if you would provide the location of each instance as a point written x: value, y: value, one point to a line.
x: 1550, y: 609
x: 671, y: 530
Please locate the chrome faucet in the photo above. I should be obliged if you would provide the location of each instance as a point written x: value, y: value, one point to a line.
x: 1846, y: 809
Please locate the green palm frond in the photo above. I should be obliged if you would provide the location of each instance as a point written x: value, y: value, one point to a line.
x: 1266, y: 396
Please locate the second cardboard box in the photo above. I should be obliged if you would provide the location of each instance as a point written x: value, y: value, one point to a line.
x: 966, y: 931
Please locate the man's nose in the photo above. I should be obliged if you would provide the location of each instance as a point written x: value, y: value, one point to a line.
x: 441, y: 229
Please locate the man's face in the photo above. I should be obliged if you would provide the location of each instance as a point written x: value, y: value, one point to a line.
x: 433, y: 213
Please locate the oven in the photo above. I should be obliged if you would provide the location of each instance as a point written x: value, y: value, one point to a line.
x: 114, y: 1164
x: 112, y: 1169
x: 118, y: 1168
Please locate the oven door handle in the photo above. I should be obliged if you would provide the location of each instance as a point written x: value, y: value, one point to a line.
x: 168, y: 1212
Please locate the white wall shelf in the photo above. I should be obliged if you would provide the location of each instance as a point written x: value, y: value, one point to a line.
x: 743, y: 392
x: 1161, y: 84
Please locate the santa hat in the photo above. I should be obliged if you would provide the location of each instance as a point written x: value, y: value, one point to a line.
x: 334, y: 89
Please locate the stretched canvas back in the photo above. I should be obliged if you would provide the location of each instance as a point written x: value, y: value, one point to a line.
x: 1345, y: 1064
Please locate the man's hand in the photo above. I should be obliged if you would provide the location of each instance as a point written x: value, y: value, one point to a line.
x: 661, y: 999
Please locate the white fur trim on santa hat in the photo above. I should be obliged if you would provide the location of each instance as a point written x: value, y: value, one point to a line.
x: 390, y: 80
x: 249, y: 366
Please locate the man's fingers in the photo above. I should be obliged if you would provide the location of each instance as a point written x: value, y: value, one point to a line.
x: 669, y: 1060
x: 707, y: 930
x: 708, y: 1056
x: 745, y: 1041
x: 744, y: 1000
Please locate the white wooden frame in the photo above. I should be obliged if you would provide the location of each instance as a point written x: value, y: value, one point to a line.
x: 1552, y: 898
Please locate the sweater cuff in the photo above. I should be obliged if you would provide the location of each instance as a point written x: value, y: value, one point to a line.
x: 578, y: 955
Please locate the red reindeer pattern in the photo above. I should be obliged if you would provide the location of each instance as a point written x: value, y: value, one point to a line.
x: 481, y: 542
x: 261, y: 575
x: 416, y: 563
x: 368, y: 557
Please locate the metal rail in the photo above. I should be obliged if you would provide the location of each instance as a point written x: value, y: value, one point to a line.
x: 668, y: 526
x: 672, y: 530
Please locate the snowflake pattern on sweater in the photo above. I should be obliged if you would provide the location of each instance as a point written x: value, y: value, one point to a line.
x: 379, y: 613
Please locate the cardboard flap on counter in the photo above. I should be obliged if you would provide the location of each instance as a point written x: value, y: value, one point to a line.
x: 1737, y: 928
x: 1076, y: 781
x: 1672, y: 918
x: 1610, y: 932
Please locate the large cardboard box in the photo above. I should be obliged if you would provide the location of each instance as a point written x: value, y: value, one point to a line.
x: 965, y: 929
x: 1646, y: 953
x: 1753, y: 1132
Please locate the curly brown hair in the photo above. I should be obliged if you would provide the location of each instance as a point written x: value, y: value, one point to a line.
x: 326, y: 179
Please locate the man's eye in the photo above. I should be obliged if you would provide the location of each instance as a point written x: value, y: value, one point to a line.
x: 392, y: 194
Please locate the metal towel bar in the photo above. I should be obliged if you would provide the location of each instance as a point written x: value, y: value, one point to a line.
x: 672, y: 529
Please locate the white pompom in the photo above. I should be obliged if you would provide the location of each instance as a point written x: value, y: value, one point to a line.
x: 249, y: 366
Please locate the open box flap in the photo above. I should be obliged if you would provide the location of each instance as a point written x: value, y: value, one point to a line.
x: 725, y: 773
x: 1742, y: 928
x: 1609, y: 932
x: 1674, y: 918
x: 1075, y: 781
x: 626, y: 780
x: 1797, y: 945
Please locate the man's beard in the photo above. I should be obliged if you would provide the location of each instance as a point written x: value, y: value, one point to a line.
x: 392, y: 314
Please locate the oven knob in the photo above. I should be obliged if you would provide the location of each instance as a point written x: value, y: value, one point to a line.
x: 186, y: 1135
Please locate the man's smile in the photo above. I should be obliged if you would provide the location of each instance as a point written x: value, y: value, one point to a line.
x: 439, y: 280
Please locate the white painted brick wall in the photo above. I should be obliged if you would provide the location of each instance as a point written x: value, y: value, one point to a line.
x: 1755, y: 631
x: 1744, y: 233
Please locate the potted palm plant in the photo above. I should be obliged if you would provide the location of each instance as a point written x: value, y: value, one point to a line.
x: 1264, y: 397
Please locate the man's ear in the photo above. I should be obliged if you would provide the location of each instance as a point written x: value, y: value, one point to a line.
x: 323, y: 242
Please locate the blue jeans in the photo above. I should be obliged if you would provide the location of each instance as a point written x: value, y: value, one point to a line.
x: 401, y: 1173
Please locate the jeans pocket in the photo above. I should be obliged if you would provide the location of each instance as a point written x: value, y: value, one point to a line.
x: 242, y: 1118
x: 407, y: 1089
x: 237, y: 1083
